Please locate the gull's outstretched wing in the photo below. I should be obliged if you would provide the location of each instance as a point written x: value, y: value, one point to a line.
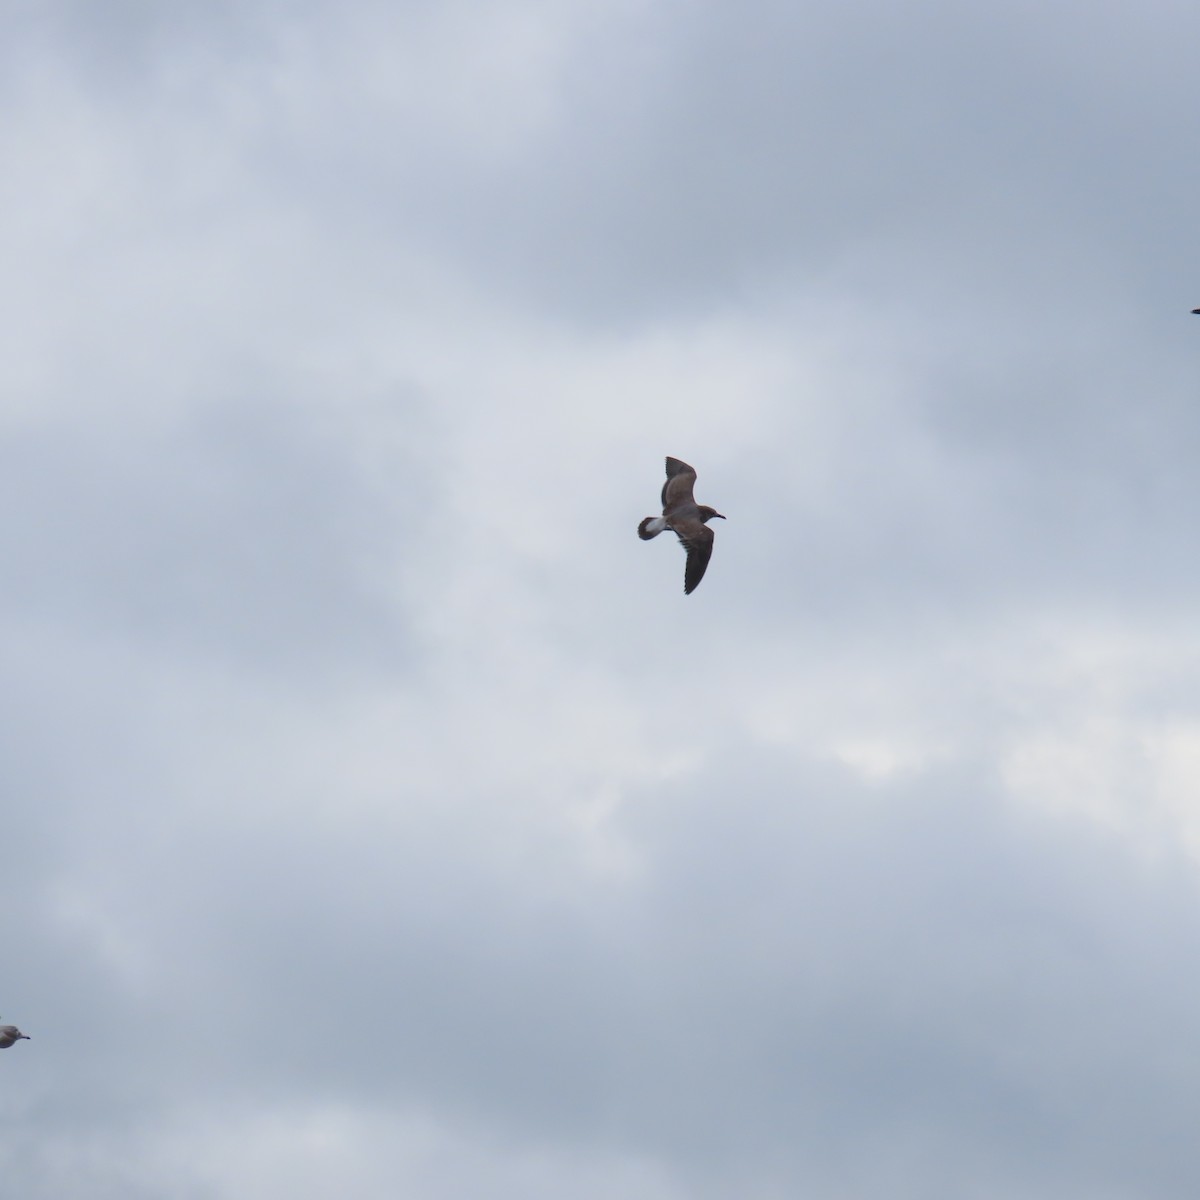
x: 697, y: 539
x: 677, y: 491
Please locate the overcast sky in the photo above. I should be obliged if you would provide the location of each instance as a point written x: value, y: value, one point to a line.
x: 379, y: 817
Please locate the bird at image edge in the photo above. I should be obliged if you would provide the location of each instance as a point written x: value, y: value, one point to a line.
x: 686, y: 519
x: 10, y: 1035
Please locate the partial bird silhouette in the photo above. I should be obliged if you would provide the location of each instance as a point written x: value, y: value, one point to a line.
x: 686, y: 519
x: 10, y: 1035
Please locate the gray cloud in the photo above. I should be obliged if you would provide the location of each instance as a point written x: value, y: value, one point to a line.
x: 799, y: 970
x: 367, y: 774
x: 246, y: 531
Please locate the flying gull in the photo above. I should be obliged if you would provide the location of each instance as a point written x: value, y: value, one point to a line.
x: 686, y: 519
x: 10, y: 1035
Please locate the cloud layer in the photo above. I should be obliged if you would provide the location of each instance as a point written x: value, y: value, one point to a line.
x: 380, y: 816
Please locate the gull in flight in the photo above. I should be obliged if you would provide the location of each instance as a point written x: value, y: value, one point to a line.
x: 686, y: 519
x: 10, y: 1035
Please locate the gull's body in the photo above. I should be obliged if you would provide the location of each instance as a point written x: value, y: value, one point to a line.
x: 10, y: 1035
x: 686, y: 519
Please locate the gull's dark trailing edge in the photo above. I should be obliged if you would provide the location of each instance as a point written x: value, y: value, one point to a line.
x: 686, y: 519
